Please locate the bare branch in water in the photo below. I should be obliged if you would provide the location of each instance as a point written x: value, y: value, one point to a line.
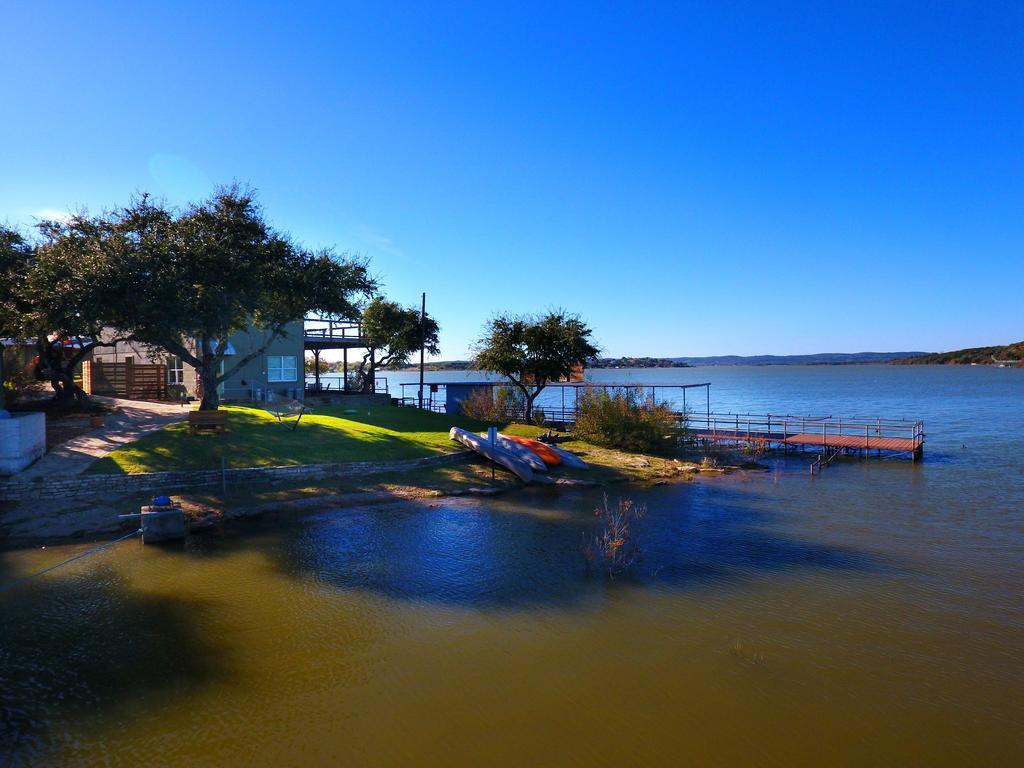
x: 614, y: 548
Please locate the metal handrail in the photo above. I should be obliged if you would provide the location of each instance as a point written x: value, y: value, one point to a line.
x: 745, y: 425
x: 332, y: 333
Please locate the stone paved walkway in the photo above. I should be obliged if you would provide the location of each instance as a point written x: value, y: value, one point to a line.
x: 132, y: 420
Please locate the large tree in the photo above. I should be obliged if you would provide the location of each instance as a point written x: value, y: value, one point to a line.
x: 394, y: 334
x: 533, y: 351
x: 15, y: 254
x: 218, y: 268
x: 61, y: 292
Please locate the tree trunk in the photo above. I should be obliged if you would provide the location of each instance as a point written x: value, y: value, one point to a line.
x: 66, y: 394
x: 208, y: 371
x: 528, y: 416
x: 73, y: 394
x: 54, y: 368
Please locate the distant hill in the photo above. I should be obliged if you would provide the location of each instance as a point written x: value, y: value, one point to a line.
x: 603, y: 362
x: 825, y: 358
x: 978, y: 355
x: 637, y: 362
x: 443, y: 365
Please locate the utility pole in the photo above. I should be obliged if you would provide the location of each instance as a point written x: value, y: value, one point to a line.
x: 423, y: 341
x: 2, y: 396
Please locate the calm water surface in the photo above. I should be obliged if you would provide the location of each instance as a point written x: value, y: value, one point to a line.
x: 870, y: 616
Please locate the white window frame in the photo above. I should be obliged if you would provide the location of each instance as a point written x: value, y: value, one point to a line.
x: 279, y: 369
x: 175, y: 370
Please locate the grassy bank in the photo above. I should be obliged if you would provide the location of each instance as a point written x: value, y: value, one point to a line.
x: 381, y: 433
x: 374, y: 434
x: 254, y: 438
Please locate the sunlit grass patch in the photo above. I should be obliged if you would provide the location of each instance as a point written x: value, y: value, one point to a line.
x: 255, y: 438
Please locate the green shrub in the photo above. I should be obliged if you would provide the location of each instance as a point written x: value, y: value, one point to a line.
x: 18, y: 377
x: 626, y: 420
x: 496, y: 405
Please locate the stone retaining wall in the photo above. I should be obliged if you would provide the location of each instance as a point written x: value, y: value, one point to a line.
x: 104, y: 485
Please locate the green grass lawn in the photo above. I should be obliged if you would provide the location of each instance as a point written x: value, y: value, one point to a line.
x: 254, y: 438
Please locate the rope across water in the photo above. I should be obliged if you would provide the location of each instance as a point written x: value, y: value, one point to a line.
x: 79, y: 556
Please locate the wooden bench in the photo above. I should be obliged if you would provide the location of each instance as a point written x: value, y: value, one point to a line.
x: 207, y: 421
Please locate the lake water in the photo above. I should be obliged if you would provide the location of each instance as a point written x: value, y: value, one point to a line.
x: 872, y: 615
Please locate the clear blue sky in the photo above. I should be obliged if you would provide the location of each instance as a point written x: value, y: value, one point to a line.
x: 708, y: 178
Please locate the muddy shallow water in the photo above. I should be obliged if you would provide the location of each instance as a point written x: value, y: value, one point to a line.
x: 872, y: 615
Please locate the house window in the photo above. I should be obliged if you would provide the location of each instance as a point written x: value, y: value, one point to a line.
x: 175, y: 370
x: 282, y: 368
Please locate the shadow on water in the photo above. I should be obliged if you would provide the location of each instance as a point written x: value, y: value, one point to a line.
x: 526, y: 550
x: 76, y: 645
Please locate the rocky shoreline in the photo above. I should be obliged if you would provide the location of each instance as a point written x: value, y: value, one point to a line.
x: 55, y: 520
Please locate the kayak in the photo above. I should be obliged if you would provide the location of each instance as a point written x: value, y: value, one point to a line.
x: 499, y: 456
x: 546, y: 453
x: 522, y: 452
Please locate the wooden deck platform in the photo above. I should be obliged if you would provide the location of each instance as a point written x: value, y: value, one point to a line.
x: 856, y: 442
x: 883, y: 436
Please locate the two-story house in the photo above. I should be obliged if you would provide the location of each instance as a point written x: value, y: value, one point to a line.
x: 276, y: 372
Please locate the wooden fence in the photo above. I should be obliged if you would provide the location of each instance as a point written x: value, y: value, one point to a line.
x: 135, y: 381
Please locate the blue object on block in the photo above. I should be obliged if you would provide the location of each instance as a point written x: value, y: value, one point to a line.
x: 162, y: 501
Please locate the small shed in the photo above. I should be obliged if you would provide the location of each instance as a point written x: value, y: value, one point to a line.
x: 455, y: 393
x: 444, y: 396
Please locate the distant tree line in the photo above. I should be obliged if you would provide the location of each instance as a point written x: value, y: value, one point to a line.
x: 1012, y: 354
x: 595, y: 362
x: 635, y: 362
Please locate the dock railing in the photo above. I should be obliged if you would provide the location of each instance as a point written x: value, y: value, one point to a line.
x: 784, y: 429
x: 332, y: 330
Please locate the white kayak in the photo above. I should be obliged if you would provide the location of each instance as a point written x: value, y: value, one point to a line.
x: 569, y: 459
x: 495, y: 453
x: 536, y: 462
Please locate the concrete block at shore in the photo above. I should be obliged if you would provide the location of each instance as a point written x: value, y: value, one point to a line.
x: 22, y: 441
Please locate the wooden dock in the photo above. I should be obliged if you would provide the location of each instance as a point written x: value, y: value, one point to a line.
x: 848, y: 435
x: 828, y: 435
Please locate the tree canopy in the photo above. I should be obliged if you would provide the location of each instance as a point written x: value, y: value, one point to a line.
x: 14, y: 256
x: 218, y: 268
x: 533, y: 351
x: 394, y: 334
x: 61, y: 293
x: 180, y: 281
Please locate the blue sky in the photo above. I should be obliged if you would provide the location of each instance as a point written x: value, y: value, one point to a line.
x: 693, y: 178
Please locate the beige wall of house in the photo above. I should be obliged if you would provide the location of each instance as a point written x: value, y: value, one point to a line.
x: 279, y: 369
x: 177, y: 371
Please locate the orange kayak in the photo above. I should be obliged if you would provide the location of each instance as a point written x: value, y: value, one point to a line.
x: 549, y: 457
